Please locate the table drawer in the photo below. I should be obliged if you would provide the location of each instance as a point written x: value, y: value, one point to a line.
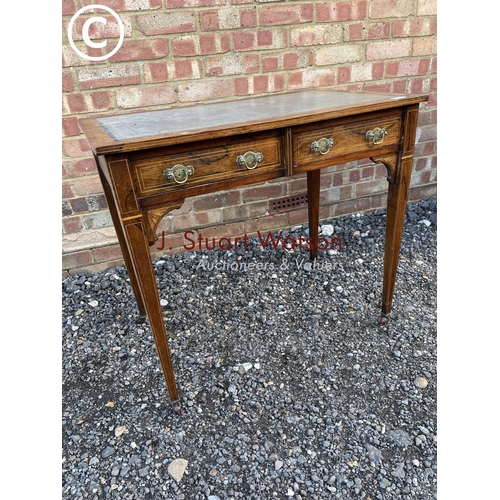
x: 329, y: 139
x: 177, y: 167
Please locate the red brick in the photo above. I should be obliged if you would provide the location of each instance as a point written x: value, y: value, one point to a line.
x: 355, y: 32
x: 148, y: 95
x: 109, y: 76
x: 344, y: 74
x: 197, y: 219
x: 399, y: 86
x: 215, y: 43
x: 174, y: 4
x: 76, y: 103
x: 434, y: 65
x: 183, y: 69
x: 391, y: 8
x: 245, y: 211
x: 427, y: 117
x: 290, y: 60
x: 423, y: 66
x: 244, y: 40
x: 70, y: 126
x: 66, y: 172
x: 156, y: 72
x: 270, y: 63
x: 338, y: 54
x: 142, y: 4
x: 68, y: 7
x: 352, y: 206
x: 260, y: 84
x: 207, y: 202
x: 301, y: 216
x: 426, y: 7
x: 380, y: 171
x: 241, y: 86
x: 101, y: 101
x: 354, y: 175
x: 67, y: 191
x: 391, y: 49
x: 367, y: 172
x: 340, y: 11
x: 76, y: 259
x: 275, y: 39
x: 185, y: 46
x: 86, y: 166
x: 205, y: 90
x: 76, y: 147
x: 269, y: 223
x: 320, y: 77
x: 232, y: 64
x: 379, y: 30
x: 422, y: 164
x: 377, y: 70
x: 278, y: 15
x: 418, y: 85
x: 166, y: 22
x: 141, y: 50
x: 429, y: 133
x: 424, y: 46
x: 384, y: 88
x: 414, y: 27
x: 248, y: 18
x: 108, y: 253
x: 278, y: 83
x: 68, y: 83
x: 86, y: 186
x: 72, y: 225
x: 209, y: 20
x: 262, y: 191
x: 408, y: 67
x: 371, y: 187
x: 316, y: 34
x: 79, y: 205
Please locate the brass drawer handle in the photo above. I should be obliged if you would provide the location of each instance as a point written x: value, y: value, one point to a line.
x: 178, y: 173
x: 250, y: 159
x: 322, y: 146
x: 376, y: 135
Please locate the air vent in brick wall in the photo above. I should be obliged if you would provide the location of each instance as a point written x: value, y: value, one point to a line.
x: 288, y: 203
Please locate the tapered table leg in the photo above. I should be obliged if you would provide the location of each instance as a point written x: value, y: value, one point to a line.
x: 132, y: 231
x: 396, y: 209
x: 399, y: 168
x: 313, y: 183
x: 123, y: 246
x: 136, y: 240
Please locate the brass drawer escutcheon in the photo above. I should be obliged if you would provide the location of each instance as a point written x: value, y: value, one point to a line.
x: 178, y: 173
x: 250, y: 159
x: 376, y: 135
x: 322, y: 146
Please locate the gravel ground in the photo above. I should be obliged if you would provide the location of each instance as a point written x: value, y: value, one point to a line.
x: 290, y: 387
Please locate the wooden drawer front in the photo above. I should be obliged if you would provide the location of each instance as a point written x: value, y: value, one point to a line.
x: 207, y: 162
x: 347, y: 138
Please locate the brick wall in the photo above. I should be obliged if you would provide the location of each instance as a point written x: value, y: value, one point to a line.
x: 184, y: 51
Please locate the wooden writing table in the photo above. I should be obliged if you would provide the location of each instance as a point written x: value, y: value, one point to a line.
x: 149, y: 162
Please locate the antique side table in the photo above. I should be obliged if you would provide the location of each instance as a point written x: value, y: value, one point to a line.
x: 150, y: 161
